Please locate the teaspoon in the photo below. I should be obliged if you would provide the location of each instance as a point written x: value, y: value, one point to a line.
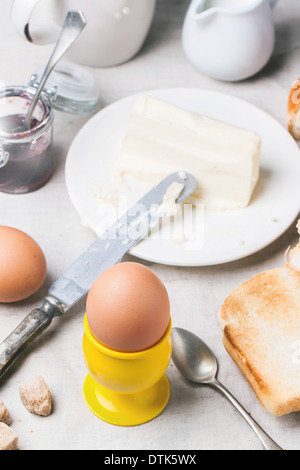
x: 74, y: 24
x: 198, y: 364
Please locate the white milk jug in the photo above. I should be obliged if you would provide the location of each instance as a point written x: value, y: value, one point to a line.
x: 229, y: 39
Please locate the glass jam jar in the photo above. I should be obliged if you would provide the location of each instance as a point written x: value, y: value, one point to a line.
x: 26, y: 157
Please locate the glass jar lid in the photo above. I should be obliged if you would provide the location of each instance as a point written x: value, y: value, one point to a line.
x: 70, y: 88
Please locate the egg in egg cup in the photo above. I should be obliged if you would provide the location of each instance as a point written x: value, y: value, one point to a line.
x: 126, y: 388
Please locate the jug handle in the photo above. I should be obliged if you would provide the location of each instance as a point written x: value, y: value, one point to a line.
x: 21, y: 14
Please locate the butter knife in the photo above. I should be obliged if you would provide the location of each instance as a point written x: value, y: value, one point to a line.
x: 108, y: 250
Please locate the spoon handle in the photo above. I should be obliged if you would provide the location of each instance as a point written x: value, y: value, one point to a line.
x: 74, y: 24
x: 267, y: 442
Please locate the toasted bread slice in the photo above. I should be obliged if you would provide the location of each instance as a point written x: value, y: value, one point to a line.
x: 292, y: 257
x: 261, y: 331
x: 294, y: 110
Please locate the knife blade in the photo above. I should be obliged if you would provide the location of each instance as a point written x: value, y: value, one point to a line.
x: 107, y: 250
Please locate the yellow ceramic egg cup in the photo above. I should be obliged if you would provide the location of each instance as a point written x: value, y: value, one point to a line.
x: 126, y: 389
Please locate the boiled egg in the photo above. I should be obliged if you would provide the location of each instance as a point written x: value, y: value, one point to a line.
x: 23, y: 266
x: 128, y: 308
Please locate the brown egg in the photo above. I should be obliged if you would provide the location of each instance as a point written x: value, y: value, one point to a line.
x: 128, y: 308
x: 23, y: 266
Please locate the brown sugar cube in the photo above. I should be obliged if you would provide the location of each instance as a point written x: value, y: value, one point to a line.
x: 8, y: 438
x: 4, y: 414
x: 36, y: 396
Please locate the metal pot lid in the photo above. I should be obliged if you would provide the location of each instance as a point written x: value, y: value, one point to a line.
x: 70, y: 88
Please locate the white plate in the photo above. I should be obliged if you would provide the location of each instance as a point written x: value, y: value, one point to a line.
x: 228, y: 235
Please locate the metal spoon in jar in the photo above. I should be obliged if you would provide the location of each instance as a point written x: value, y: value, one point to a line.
x: 74, y: 24
x: 198, y: 364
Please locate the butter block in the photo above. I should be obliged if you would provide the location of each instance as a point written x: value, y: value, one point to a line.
x: 162, y: 139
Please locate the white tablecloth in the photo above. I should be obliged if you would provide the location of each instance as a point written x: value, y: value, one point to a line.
x: 195, y: 418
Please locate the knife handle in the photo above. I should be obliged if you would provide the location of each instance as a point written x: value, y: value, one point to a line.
x: 30, y: 328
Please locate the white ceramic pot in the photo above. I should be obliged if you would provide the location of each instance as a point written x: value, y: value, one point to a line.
x: 115, y: 32
x: 229, y: 40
